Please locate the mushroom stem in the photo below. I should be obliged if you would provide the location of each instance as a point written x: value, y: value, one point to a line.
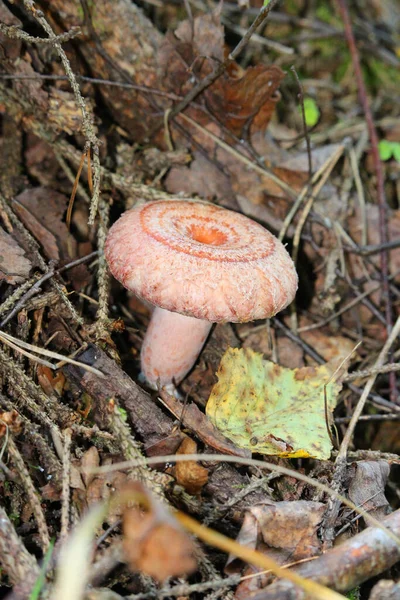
x: 171, y: 345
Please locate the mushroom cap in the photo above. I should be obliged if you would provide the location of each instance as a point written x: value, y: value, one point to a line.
x: 201, y: 260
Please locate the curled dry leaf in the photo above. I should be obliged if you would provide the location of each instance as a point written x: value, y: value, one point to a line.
x: 239, y: 97
x: 190, y: 475
x: 14, y: 266
x: 154, y: 542
x: 50, y: 381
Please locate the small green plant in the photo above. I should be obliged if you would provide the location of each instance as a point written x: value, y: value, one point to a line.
x: 123, y: 414
x: 311, y: 112
x: 388, y: 150
x: 39, y: 583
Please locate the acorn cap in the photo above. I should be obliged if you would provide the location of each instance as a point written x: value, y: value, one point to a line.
x: 201, y: 260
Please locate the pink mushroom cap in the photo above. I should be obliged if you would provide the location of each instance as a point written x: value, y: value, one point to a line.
x: 201, y: 260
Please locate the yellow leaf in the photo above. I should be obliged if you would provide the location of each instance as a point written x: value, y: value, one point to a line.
x: 270, y: 409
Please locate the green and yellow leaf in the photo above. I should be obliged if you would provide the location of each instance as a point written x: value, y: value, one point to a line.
x: 271, y: 409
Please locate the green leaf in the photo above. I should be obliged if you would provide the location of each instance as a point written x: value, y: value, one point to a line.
x: 311, y: 112
x: 385, y: 150
x: 270, y: 409
x: 266, y: 2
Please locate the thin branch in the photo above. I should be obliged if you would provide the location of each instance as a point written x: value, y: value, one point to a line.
x: 380, y: 181
x: 87, y: 119
x: 14, y: 32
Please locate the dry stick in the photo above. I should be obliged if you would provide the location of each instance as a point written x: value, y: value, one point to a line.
x: 342, y: 310
x: 303, y: 115
x: 382, y: 203
x: 361, y: 403
x: 346, y: 566
x: 315, y: 179
x: 20, y: 346
x: 30, y: 240
x: 256, y: 38
x: 35, y: 288
x: 31, y: 493
x: 103, y: 275
x: 16, y: 295
x: 328, y: 167
x: 98, y: 81
x: 20, y: 566
x: 250, y: 462
x: 87, y: 123
x: 394, y: 367
x: 14, y: 32
x: 65, y: 495
x: 341, y: 459
x: 360, y: 194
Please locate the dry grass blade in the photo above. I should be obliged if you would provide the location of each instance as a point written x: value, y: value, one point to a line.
x: 20, y: 345
x: 75, y: 558
x: 171, y: 458
x: 214, y: 538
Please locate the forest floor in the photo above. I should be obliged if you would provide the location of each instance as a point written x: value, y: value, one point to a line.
x: 286, y: 112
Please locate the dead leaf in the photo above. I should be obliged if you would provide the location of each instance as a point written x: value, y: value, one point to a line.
x: 239, y: 98
x: 50, y: 381
x: 154, y: 542
x: 285, y: 531
x: 289, y: 529
x: 190, y: 475
x: 42, y: 211
x: 10, y: 421
x: 14, y: 266
x: 90, y: 459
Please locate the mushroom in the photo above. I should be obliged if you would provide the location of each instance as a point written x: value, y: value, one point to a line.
x: 198, y: 264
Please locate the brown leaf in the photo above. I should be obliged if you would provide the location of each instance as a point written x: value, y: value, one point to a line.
x: 90, y: 459
x: 289, y: 529
x: 10, y: 421
x: 14, y: 266
x: 285, y: 531
x: 154, y: 542
x: 238, y: 98
x: 50, y: 381
x: 42, y: 211
x: 190, y: 475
